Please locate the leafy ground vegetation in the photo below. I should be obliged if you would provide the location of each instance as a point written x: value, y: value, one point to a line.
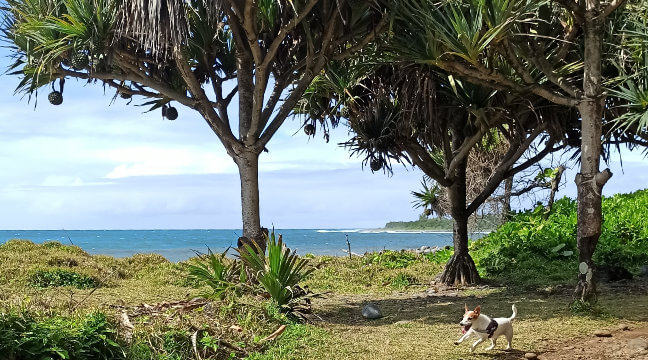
x: 58, y: 302
x: 537, y: 249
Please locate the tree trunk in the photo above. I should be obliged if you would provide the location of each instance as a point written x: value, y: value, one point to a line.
x: 555, y: 182
x: 508, y: 190
x: 248, y: 165
x: 460, y: 269
x: 589, y: 181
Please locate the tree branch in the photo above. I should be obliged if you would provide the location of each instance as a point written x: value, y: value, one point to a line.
x: 502, y: 171
x: 576, y: 10
x: 539, y: 60
x: 206, y: 108
x: 513, y: 59
x: 609, y: 9
x: 498, y: 82
x: 249, y: 26
x: 125, y: 90
x: 303, y: 83
x: 468, y: 144
x: 366, y: 40
x: 273, y: 99
x: 161, y: 88
x: 420, y: 156
x: 281, y: 35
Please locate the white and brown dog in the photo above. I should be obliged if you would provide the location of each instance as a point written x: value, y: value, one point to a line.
x: 474, y: 322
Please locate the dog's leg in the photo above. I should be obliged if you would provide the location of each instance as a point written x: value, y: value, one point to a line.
x: 479, y: 341
x: 493, y: 343
x: 509, y: 338
x: 461, y: 339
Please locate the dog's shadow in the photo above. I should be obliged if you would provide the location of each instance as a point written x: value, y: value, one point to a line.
x: 500, y: 354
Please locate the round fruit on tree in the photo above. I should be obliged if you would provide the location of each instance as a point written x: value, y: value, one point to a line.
x: 171, y: 113
x: 80, y: 61
x: 55, y: 98
x: 375, y: 164
x: 309, y: 129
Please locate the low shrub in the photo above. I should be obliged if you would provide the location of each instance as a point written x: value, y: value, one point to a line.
x: 402, y: 281
x: 391, y: 259
x: 43, y: 278
x: 24, y: 337
x: 532, y: 249
x: 440, y: 256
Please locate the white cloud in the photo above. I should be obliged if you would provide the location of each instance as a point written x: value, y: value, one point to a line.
x: 59, y: 180
x: 147, y: 161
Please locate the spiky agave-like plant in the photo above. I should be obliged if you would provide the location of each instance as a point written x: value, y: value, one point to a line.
x: 280, y: 272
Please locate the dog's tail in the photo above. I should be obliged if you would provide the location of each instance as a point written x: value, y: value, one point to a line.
x: 514, y: 312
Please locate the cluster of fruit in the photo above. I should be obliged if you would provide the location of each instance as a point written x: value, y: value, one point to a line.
x: 78, y: 61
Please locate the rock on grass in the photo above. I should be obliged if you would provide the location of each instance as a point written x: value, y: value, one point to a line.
x: 371, y: 311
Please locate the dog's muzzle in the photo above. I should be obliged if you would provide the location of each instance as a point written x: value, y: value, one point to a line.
x: 465, y: 328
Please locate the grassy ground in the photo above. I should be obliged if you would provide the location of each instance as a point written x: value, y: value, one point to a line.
x: 418, y: 323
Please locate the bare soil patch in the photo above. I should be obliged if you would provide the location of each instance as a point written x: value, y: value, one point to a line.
x: 622, y: 344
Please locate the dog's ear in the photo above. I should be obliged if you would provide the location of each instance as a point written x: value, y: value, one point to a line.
x: 466, y: 307
x: 477, y: 310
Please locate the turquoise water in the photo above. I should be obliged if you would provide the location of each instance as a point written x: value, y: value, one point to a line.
x: 178, y: 245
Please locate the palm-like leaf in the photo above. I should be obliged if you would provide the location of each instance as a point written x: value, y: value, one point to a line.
x: 432, y: 29
x: 222, y: 276
x: 279, y: 272
x: 428, y: 197
x: 635, y: 115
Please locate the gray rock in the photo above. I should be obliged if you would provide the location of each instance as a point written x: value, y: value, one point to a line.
x: 644, y: 271
x: 623, y: 327
x: 530, y: 356
x: 371, y: 311
x: 637, y: 344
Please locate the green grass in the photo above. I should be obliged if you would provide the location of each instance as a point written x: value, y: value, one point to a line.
x: 297, y: 342
x: 371, y: 275
x: 49, y: 284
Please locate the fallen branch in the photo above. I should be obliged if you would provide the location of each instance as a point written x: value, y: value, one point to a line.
x: 128, y: 327
x: 275, y: 334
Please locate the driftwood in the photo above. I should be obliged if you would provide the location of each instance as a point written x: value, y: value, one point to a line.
x: 275, y: 334
x: 126, y: 326
x: 160, y: 308
x: 194, y: 341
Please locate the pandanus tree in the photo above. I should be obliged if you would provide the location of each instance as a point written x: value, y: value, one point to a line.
x: 200, y: 54
x: 567, y: 52
x: 401, y: 111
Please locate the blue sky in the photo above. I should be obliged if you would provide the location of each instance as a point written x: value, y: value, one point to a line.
x: 90, y: 164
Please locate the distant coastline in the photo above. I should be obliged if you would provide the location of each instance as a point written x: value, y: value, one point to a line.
x: 485, y: 223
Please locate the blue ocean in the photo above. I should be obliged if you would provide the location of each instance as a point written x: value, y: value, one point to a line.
x: 179, y: 245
